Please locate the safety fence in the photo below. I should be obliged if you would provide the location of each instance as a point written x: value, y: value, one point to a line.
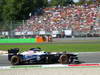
x: 38, y: 39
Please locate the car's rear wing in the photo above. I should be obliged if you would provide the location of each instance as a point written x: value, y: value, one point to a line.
x: 13, y: 51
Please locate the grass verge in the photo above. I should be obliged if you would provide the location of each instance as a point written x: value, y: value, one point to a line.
x: 89, y: 47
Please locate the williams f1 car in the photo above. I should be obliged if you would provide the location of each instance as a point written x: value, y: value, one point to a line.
x: 37, y: 56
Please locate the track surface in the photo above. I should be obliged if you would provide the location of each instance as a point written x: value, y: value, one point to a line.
x: 88, y: 57
x: 83, y: 57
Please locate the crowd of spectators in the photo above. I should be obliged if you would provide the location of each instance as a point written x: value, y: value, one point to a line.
x: 83, y: 18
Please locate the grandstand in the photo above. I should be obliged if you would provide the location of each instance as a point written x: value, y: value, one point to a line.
x: 73, y: 20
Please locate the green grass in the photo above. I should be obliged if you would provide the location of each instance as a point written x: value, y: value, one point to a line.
x: 89, y: 47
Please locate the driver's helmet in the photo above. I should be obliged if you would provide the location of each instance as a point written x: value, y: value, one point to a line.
x: 35, y: 49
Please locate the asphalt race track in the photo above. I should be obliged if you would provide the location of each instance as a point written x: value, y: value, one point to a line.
x: 88, y: 57
x: 84, y: 57
x: 4, y: 61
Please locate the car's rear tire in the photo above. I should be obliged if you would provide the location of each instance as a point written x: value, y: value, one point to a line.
x: 15, y: 60
x: 63, y: 59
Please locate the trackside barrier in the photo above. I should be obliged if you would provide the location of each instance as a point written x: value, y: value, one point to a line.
x: 38, y: 39
x: 20, y: 40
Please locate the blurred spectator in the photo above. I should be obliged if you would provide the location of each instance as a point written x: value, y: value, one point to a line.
x: 79, y: 18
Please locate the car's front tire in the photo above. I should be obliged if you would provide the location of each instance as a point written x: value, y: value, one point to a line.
x: 63, y: 59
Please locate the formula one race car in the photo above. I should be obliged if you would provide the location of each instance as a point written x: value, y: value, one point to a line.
x: 37, y: 56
